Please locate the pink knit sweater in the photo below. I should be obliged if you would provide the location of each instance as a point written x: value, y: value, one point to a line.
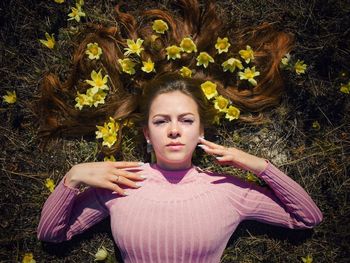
x: 178, y: 216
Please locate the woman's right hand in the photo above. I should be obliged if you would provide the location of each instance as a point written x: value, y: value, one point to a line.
x: 106, y: 175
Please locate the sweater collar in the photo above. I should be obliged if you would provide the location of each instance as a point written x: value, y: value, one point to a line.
x: 174, y: 176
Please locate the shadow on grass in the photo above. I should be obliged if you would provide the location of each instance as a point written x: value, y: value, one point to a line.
x: 64, y: 249
x: 255, y: 228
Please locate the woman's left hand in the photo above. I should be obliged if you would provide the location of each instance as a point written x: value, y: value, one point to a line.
x: 234, y: 157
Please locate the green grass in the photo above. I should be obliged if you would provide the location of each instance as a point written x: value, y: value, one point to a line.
x: 317, y: 159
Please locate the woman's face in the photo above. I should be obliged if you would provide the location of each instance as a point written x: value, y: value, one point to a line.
x: 173, y: 129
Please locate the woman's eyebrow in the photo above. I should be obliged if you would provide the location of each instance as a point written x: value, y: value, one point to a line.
x: 167, y: 115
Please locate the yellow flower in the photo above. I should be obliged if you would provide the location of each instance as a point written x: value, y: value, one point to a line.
x: 307, y: 259
x: 232, y: 113
x: 59, y: 1
x: 345, y: 88
x: 173, y: 52
x: 96, y: 98
x: 148, y: 66
x: 209, y: 89
x: 249, y: 74
x: 76, y: 13
x: 49, y: 42
x: 251, y: 177
x: 160, y: 26
x: 231, y: 64
x: 127, y: 65
x: 285, y: 60
x: 98, y: 81
x: 300, y: 67
x: 222, y: 44
x: 50, y: 184
x: 102, y: 252
x: 113, y: 125
x: 221, y: 103
x: 247, y: 54
x: 188, y: 45
x: 82, y: 100
x: 108, y: 132
x: 102, y: 130
x: 186, y: 72
x: 316, y: 125
x: 109, y: 139
x: 28, y: 258
x: 108, y: 159
x: 93, y: 51
x: 10, y: 98
x: 133, y: 47
x: 203, y: 59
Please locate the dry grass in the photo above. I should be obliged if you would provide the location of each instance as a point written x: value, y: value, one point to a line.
x: 316, y: 159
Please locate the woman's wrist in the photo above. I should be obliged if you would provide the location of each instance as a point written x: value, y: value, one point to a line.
x: 71, y: 179
x: 251, y: 162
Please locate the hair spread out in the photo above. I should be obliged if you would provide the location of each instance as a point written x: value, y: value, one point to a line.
x: 55, y: 109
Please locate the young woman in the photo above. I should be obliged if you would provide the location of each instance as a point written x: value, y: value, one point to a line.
x: 179, y: 213
x: 170, y: 210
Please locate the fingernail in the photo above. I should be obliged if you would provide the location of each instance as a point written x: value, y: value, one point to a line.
x: 126, y: 193
x: 141, y: 163
x: 116, y: 193
x: 202, y: 146
x: 139, y: 184
x: 143, y: 176
x: 219, y: 157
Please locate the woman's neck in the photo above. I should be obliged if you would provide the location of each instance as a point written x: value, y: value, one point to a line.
x: 174, y: 166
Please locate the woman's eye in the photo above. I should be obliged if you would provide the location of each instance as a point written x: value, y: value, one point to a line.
x: 159, y: 122
x: 189, y: 121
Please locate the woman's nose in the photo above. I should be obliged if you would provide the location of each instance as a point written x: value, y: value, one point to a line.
x: 174, y: 130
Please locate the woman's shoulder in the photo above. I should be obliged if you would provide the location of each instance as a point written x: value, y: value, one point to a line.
x: 224, y: 179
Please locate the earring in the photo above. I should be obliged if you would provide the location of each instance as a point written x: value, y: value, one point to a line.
x: 149, y: 147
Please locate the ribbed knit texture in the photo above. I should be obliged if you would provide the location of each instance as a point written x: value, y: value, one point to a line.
x: 178, y: 216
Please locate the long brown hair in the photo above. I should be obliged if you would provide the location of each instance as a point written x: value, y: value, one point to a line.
x: 59, y: 117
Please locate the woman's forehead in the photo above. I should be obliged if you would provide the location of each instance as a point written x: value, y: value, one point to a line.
x: 173, y: 102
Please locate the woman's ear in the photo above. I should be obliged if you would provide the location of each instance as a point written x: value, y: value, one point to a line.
x: 201, y: 132
x: 146, y: 132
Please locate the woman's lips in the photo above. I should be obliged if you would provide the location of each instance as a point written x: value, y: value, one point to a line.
x: 175, y: 147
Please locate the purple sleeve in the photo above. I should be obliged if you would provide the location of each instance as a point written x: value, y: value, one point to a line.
x: 67, y: 212
x: 284, y: 203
